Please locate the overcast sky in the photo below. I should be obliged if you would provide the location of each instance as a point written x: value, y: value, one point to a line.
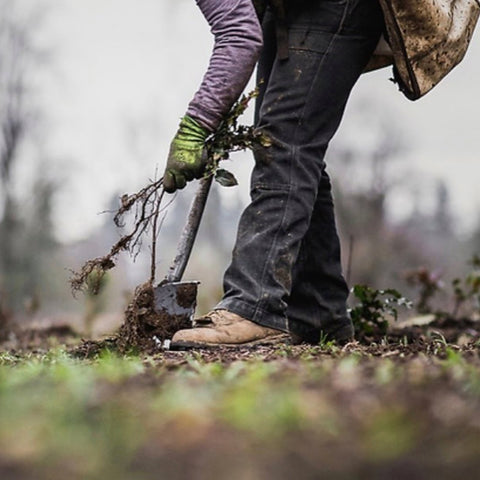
x: 124, y: 71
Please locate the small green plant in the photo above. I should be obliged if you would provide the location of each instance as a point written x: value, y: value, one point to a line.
x: 325, y: 342
x: 429, y: 284
x: 370, y: 316
x: 328, y: 345
x: 439, y: 345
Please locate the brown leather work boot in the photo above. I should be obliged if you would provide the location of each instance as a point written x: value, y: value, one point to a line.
x: 224, y: 328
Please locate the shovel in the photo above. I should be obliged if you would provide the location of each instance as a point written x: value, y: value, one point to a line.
x: 175, y: 300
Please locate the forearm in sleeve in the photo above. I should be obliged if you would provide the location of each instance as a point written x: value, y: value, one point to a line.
x: 238, y: 41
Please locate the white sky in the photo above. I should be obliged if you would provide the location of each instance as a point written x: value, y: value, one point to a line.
x: 126, y: 69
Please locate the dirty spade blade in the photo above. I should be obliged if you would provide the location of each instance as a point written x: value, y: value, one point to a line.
x: 174, y: 301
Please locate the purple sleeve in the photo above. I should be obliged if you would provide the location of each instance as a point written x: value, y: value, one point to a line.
x: 238, y: 41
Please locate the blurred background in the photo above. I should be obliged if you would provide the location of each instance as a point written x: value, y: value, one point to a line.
x: 91, y: 93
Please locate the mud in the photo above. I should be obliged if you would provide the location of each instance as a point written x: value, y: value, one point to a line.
x: 145, y: 328
x: 144, y: 331
x: 398, y: 346
x: 174, y: 303
x: 428, y: 39
x: 186, y: 295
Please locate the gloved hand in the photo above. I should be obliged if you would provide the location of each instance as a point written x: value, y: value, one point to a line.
x: 187, y: 157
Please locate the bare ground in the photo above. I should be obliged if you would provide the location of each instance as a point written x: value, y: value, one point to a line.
x: 404, y: 405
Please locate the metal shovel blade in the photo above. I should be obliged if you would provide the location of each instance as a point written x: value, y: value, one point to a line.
x: 176, y: 300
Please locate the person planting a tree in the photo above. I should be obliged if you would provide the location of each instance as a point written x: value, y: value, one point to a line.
x: 285, y: 275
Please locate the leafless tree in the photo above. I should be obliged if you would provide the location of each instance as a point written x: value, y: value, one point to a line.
x: 19, y: 56
x: 20, y: 117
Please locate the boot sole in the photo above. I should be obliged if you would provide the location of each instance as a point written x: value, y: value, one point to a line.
x: 263, y: 341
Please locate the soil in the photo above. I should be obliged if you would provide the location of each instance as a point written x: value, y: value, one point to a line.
x: 146, y: 327
x: 432, y: 340
x: 144, y: 332
x: 422, y: 423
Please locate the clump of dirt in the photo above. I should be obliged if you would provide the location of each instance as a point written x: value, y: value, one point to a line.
x: 145, y: 329
x: 135, y: 333
x: 186, y: 294
x: 92, y: 348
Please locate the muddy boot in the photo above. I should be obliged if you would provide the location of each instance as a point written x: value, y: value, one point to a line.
x: 224, y: 328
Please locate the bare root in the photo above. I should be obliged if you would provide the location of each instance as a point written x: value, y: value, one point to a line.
x: 146, y: 203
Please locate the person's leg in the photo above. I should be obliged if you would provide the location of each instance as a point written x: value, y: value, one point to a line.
x: 317, y: 303
x: 331, y: 41
x: 318, y: 297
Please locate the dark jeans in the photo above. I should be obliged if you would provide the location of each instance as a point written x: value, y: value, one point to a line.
x: 286, y: 271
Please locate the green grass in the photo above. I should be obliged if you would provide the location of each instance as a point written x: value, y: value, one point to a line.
x: 141, y: 418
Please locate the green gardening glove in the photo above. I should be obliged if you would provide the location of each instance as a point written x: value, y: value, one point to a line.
x: 187, y: 157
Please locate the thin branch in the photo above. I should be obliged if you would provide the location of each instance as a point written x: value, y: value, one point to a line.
x: 158, y: 201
